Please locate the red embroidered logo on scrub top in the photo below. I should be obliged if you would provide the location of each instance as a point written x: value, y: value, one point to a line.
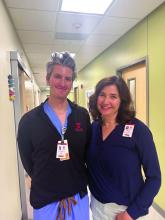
x: 78, y: 127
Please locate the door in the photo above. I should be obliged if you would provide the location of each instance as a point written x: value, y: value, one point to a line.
x: 26, y: 92
x: 136, y: 78
x: 76, y: 95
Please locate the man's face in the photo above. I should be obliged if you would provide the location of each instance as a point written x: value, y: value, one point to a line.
x: 60, y: 81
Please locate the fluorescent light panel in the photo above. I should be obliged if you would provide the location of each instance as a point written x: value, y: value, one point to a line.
x: 86, y: 6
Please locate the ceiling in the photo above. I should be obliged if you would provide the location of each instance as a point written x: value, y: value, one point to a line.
x: 43, y: 28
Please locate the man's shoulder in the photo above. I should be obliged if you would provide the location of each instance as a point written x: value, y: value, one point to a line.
x: 33, y: 113
x: 81, y: 108
x: 78, y: 108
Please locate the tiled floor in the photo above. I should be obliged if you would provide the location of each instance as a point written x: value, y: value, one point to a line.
x: 153, y: 215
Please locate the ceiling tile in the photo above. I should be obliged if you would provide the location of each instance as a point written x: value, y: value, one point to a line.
x: 68, y: 48
x: 39, y: 70
x: 39, y: 57
x: 101, y: 40
x: 115, y: 26
x: 68, y: 45
x: 33, y: 20
x: 88, y: 52
x: 39, y: 37
x: 37, y: 48
x: 133, y: 8
x: 52, y: 5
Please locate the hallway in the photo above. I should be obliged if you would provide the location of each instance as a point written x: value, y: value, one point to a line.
x: 129, y: 34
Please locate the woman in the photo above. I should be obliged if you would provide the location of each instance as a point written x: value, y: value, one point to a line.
x: 120, y: 146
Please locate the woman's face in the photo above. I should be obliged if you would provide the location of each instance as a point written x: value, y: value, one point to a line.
x: 108, y: 101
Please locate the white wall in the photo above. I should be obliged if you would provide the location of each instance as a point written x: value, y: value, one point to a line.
x: 10, y: 207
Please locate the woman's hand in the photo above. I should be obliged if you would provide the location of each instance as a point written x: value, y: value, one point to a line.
x: 123, y: 216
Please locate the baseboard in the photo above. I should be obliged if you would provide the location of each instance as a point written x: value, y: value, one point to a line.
x: 159, y: 209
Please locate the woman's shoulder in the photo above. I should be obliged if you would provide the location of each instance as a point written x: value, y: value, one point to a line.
x: 138, y: 123
x: 96, y: 124
x: 140, y: 127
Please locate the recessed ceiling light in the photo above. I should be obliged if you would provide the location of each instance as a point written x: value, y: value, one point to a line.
x: 77, y: 25
x: 86, y: 6
x: 72, y: 55
x: 47, y: 89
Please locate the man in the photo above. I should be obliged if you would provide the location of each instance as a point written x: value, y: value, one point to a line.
x: 52, y: 140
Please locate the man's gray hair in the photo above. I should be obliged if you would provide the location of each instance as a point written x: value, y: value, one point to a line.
x: 61, y: 58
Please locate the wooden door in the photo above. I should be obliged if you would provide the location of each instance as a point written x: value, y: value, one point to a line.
x: 136, y: 79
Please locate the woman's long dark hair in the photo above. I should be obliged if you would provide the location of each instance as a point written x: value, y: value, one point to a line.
x: 126, y: 110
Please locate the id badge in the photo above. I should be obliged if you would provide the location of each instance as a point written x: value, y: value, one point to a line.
x: 62, y: 150
x: 128, y: 130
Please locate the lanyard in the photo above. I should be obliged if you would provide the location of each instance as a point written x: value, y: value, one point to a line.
x: 55, y: 120
x: 63, y: 131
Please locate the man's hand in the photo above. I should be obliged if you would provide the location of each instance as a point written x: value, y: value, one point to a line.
x: 123, y: 216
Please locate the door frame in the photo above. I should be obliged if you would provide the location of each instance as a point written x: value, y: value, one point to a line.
x: 143, y: 60
x: 16, y: 63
